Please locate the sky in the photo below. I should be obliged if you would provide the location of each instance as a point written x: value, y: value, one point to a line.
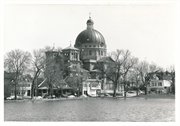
x: 149, y: 31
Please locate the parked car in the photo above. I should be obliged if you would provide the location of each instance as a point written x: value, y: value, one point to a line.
x: 83, y: 96
x: 141, y: 92
x: 131, y: 93
x: 107, y: 95
x: 19, y: 98
x: 71, y: 96
x: 38, y: 97
x: 49, y: 96
x: 13, y: 98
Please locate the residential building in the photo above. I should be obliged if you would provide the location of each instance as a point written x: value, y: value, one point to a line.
x: 160, y: 85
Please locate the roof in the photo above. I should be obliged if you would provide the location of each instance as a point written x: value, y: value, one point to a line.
x: 106, y: 59
x: 102, y: 60
x: 70, y: 48
x: 161, y: 76
x: 90, y: 21
x: 83, y: 70
x: 90, y: 36
x: 63, y: 82
x: 43, y: 84
x: 92, y: 80
x: 167, y: 77
x: 95, y: 70
x: 43, y: 88
x: 65, y: 87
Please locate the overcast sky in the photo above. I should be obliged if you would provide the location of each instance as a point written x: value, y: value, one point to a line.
x: 149, y: 31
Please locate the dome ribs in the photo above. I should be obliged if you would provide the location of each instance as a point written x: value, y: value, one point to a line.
x: 90, y: 35
x: 93, y: 35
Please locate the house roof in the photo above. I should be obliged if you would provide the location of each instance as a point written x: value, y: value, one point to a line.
x: 95, y: 70
x: 167, y: 77
x: 65, y: 87
x: 161, y: 76
x: 92, y: 80
x: 45, y: 84
x: 43, y: 88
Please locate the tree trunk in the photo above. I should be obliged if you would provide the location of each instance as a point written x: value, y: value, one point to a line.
x: 173, y: 89
x: 124, y: 91
x: 15, y: 92
x: 78, y: 91
x: 173, y: 85
x: 137, y: 92
x: 51, y: 91
x: 114, y: 94
x: 61, y: 92
x: 145, y: 85
x: 32, y: 91
x: 36, y: 87
x: 146, y: 90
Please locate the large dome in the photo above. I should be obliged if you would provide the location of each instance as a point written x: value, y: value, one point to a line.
x: 90, y: 35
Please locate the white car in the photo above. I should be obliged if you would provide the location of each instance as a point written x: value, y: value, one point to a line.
x: 131, y: 93
x: 141, y: 92
x: 38, y: 97
x: 83, y: 96
x: 13, y: 98
x: 71, y: 96
x: 108, y: 95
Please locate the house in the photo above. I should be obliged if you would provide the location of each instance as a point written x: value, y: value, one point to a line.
x: 23, y: 88
x: 160, y: 85
x: 91, y: 87
x: 8, y: 82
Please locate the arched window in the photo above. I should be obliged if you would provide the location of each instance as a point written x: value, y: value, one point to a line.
x: 90, y: 52
x: 102, y: 53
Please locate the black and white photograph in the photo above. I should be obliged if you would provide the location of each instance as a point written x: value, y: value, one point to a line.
x: 84, y: 61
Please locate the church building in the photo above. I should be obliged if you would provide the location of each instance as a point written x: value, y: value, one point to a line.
x: 89, y: 48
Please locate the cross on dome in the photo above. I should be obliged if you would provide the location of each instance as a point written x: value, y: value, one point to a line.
x: 90, y: 15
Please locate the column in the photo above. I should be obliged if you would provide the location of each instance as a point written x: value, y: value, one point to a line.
x: 77, y: 56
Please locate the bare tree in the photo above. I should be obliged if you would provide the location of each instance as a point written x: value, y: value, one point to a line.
x: 146, y: 72
x: 38, y: 63
x: 54, y: 69
x: 17, y: 61
x: 118, y: 66
x: 171, y: 71
x: 126, y: 66
x: 135, y: 78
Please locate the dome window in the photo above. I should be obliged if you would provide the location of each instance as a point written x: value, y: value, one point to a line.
x: 89, y: 45
x: 85, y: 45
x: 94, y: 46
